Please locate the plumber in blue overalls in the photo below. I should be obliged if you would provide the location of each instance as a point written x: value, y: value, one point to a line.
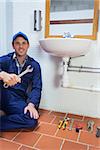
x: 20, y: 102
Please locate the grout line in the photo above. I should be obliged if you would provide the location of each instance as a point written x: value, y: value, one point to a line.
x: 66, y: 115
x: 43, y: 122
x: 65, y: 139
x: 25, y: 145
x: 76, y: 119
x: 50, y: 135
x: 53, y: 119
x: 37, y: 140
x: 69, y: 140
x: 50, y: 112
x: 37, y: 127
x: 62, y: 144
x: 39, y: 123
x: 56, y: 115
x: 20, y: 144
x: 85, y: 144
x: 56, y: 132
x: 19, y: 147
x: 77, y: 142
x: 87, y: 147
x: 78, y: 136
x: 83, y: 118
x: 16, y: 135
x: 73, y: 114
x: 12, y: 141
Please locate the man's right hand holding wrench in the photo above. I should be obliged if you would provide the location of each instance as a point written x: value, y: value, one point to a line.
x: 28, y: 69
x: 10, y: 78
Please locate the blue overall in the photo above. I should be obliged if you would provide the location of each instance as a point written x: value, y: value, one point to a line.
x: 14, y: 99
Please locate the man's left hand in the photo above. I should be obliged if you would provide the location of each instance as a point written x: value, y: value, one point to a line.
x: 32, y: 110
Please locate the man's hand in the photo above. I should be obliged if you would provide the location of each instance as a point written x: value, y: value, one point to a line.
x: 32, y: 110
x: 9, y: 79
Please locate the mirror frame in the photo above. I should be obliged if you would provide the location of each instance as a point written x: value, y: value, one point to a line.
x: 93, y: 36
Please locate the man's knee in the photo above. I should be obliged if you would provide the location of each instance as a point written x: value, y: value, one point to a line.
x: 31, y: 123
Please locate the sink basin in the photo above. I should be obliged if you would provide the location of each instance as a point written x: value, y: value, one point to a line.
x: 65, y: 47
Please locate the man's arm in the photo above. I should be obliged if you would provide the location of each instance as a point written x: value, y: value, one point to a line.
x: 35, y: 95
x: 10, y: 79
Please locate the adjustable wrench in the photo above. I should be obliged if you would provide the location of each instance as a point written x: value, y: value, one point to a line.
x: 28, y: 69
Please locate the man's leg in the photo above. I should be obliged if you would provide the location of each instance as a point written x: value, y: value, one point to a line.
x: 17, y: 121
x: 15, y: 117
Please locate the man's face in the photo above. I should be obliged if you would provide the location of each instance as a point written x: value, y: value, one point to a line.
x: 21, y: 46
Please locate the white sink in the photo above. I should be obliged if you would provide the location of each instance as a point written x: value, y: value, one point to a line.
x: 65, y: 47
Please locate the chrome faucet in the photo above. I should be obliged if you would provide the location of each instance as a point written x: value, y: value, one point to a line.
x: 66, y: 35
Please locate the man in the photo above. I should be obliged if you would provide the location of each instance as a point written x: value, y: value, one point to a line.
x: 20, y: 101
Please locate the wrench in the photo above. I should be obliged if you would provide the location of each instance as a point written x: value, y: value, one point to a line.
x: 90, y: 125
x: 28, y: 69
x: 71, y: 124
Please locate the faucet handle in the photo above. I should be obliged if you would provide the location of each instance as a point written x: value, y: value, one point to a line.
x: 67, y: 35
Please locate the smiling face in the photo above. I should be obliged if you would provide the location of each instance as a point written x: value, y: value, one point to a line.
x: 21, y: 46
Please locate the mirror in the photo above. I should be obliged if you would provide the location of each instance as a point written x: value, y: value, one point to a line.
x: 79, y: 17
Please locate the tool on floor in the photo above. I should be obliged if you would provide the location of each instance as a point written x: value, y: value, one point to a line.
x: 71, y: 124
x: 60, y: 123
x: 90, y: 125
x: 79, y: 126
x: 66, y: 120
x: 98, y: 132
x: 78, y: 129
x: 63, y: 123
x: 28, y: 69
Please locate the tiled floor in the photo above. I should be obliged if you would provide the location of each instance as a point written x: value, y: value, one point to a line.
x: 47, y: 135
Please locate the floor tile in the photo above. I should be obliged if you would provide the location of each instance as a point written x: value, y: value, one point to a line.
x: 26, y: 148
x: 94, y: 148
x: 46, y: 118
x: 27, y: 138
x: 96, y: 120
x: 57, y: 114
x: 80, y: 124
x: 49, y: 143
x: 89, y: 138
x: 57, y: 119
x: 5, y: 145
x: 72, y: 135
x: 46, y: 128
x: 43, y: 111
x: 9, y: 135
x: 47, y: 136
x: 73, y: 146
x: 79, y: 117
